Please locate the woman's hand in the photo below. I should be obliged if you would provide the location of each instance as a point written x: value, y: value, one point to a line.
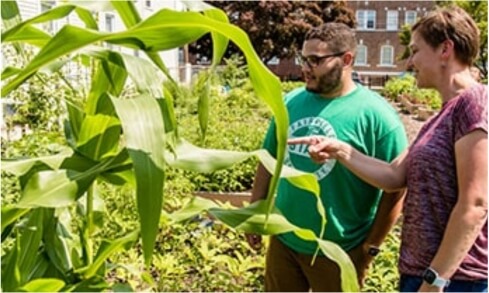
x: 321, y: 148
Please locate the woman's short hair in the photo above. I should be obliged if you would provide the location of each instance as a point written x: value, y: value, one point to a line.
x: 451, y: 23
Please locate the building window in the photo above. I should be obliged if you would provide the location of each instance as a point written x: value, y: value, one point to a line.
x: 411, y: 17
x: 361, y: 58
x: 387, y: 55
x: 148, y: 3
x: 48, y: 26
x: 109, y: 26
x: 392, y: 20
x: 366, y: 19
x: 109, y: 22
x: 297, y: 61
x: 181, y: 56
x: 274, y: 61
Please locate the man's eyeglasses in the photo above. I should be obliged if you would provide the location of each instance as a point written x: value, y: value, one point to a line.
x: 314, y: 61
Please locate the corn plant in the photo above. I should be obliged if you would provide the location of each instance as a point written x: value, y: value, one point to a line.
x: 127, y: 141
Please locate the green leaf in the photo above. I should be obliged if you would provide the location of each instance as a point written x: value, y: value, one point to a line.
x: 50, y: 15
x: 203, y: 89
x: 219, y: 41
x: 56, y: 244
x: 22, y: 257
x: 107, y: 248
x: 110, y: 77
x: 21, y: 167
x: 99, y: 136
x: 73, y: 123
x: 43, y: 285
x: 122, y: 287
x: 10, y: 14
x: 127, y: 12
x: 49, y: 189
x: 10, y: 71
x: 144, y: 142
x: 348, y: 273
x: 10, y: 214
x: 253, y: 219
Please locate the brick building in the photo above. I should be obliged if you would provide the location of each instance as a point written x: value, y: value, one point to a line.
x: 378, y: 28
x: 379, y: 25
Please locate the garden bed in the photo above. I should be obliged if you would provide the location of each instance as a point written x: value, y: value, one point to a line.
x: 236, y: 199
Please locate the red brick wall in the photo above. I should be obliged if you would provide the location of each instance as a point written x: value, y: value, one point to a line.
x: 375, y: 39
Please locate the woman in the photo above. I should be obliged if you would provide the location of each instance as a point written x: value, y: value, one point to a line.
x: 444, y: 233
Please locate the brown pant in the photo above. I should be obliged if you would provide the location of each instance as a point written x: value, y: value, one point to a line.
x: 290, y: 271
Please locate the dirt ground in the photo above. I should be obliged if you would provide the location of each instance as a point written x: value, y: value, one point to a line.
x: 411, y: 124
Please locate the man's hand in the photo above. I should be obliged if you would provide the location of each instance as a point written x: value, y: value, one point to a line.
x: 361, y: 260
x: 254, y: 240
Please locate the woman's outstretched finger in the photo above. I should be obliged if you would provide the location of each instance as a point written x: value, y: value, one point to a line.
x: 310, y: 140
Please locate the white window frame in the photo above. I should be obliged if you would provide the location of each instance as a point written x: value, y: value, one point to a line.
x: 297, y: 60
x: 44, y: 6
x: 109, y: 20
x: 391, y: 57
x: 274, y: 61
x: 392, y: 20
x: 365, y: 53
x: 364, y: 17
x: 407, y: 19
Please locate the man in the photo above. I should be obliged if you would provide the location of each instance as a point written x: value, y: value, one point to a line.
x: 359, y: 217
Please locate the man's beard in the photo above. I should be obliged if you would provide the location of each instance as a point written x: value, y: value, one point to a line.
x: 327, y: 82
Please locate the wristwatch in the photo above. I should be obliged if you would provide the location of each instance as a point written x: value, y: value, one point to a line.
x: 373, y: 250
x: 431, y: 277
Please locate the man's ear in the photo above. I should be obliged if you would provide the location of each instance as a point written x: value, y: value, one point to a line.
x: 348, y: 59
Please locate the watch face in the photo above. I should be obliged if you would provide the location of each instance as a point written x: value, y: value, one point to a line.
x: 429, y: 276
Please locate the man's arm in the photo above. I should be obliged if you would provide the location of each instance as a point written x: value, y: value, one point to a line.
x: 259, y: 191
x: 260, y: 183
x: 388, y: 212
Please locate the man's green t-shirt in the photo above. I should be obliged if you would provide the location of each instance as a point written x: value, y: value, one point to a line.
x: 368, y: 123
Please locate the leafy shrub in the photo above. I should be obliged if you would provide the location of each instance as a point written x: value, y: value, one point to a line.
x: 406, y: 85
x: 234, y: 114
x: 398, y: 85
x: 37, y: 103
x: 235, y: 73
x: 291, y: 85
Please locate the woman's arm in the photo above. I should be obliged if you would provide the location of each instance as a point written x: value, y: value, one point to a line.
x: 389, y: 177
x: 470, y: 212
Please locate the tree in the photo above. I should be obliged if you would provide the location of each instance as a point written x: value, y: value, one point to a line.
x: 478, y: 11
x: 276, y: 28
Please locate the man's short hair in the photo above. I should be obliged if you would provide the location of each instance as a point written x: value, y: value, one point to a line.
x: 338, y: 36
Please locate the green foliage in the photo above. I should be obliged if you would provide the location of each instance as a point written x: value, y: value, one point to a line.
x: 383, y: 275
x: 276, y: 28
x: 56, y: 223
x: 406, y: 85
x: 234, y: 73
x: 38, y: 103
x: 235, y: 113
x: 291, y: 85
x: 399, y: 85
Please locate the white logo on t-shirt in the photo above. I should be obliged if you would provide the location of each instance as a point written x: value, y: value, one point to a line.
x: 315, y: 126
